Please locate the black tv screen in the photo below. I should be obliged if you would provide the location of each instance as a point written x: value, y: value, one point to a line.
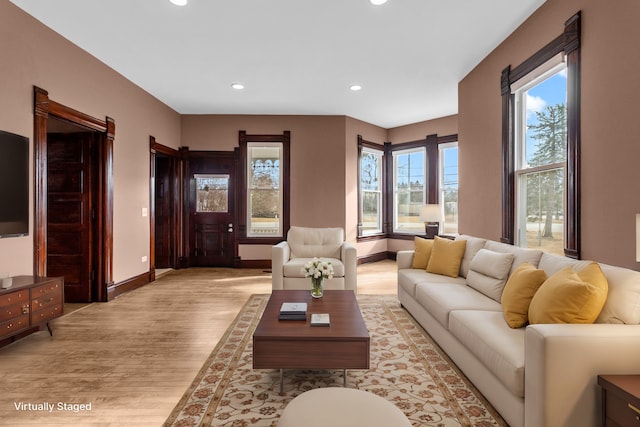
x: 14, y: 185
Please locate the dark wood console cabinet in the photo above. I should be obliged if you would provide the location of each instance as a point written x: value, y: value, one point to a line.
x: 620, y: 400
x: 28, y: 305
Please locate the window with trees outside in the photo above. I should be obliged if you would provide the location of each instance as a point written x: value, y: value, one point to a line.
x: 541, y: 146
x: 449, y: 187
x: 371, y: 191
x: 264, y: 189
x: 541, y: 153
x: 409, y: 189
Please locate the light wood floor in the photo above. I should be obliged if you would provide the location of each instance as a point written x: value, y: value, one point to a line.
x: 132, y: 359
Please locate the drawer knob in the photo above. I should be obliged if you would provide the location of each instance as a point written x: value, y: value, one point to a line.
x: 636, y: 410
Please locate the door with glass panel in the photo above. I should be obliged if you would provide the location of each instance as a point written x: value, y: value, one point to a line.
x: 211, y: 209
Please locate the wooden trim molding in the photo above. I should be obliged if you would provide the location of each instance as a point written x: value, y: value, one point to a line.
x: 117, y: 289
x: 103, y: 240
x: 568, y: 43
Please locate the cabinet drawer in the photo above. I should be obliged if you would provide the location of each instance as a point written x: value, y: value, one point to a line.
x: 14, y: 326
x: 47, y: 288
x: 14, y: 298
x: 13, y: 311
x: 619, y: 411
x: 46, y: 300
x: 41, y: 316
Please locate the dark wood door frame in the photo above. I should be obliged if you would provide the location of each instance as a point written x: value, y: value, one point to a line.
x: 103, y: 239
x: 175, y: 193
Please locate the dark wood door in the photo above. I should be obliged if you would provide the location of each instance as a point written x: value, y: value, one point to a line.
x: 211, y: 209
x: 164, y: 215
x: 69, y: 212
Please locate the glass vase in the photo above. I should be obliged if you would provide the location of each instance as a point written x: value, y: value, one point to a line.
x: 316, y: 287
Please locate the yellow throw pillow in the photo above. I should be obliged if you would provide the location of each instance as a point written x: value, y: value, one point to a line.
x: 567, y: 297
x: 518, y: 293
x: 422, y: 252
x: 446, y: 256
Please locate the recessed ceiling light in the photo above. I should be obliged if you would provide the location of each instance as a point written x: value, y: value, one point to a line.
x: 378, y: 2
x: 355, y: 88
x: 179, y: 2
x: 237, y: 86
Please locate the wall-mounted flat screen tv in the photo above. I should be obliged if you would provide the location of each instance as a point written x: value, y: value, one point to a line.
x: 14, y: 185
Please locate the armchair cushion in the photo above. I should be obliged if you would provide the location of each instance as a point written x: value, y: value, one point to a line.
x: 315, y: 242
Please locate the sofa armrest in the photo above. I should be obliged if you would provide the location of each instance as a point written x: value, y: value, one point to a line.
x: 349, y: 256
x: 562, y: 365
x: 280, y: 254
x: 404, y: 259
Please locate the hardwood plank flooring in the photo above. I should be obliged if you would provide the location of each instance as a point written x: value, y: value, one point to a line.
x: 131, y: 359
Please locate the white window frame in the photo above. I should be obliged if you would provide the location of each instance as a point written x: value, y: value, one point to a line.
x: 441, y: 188
x: 396, y: 192
x: 521, y: 168
x: 380, y: 155
x: 250, y: 227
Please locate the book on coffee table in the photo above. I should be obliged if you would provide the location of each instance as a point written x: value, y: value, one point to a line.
x: 293, y: 311
x: 320, y: 319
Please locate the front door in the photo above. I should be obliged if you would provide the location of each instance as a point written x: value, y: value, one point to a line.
x: 69, y: 212
x: 211, y: 209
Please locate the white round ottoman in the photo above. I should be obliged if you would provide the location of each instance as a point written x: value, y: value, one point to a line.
x: 341, y: 407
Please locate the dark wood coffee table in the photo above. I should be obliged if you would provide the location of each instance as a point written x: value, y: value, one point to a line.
x: 295, y: 344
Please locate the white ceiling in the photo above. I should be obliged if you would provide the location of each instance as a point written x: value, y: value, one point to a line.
x: 293, y: 56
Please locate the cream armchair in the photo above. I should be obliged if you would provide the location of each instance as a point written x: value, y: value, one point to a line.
x: 289, y: 257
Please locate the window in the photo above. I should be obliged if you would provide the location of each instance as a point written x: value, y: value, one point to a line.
x: 212, y: 193
x: 409, y: 190
x: 449, y: 187
x: 541, y: 147
x: 265, y: 180
x: 396, y: 180
x: 371, y: 191
x: 264, y: 195
x: 541, y: 153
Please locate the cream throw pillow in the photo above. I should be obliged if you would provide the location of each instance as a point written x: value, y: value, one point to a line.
x: 518, y: 293
x: 422, y: 252
x: 570, y: 297
x: 488, y: 272
x: 446, y: 256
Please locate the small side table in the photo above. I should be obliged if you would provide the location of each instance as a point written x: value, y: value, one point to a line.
x: 620, y: 400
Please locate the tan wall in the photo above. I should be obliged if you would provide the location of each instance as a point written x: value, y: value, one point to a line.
x: 443, y: 126
x: 34, y: 55
x: 610, y: 110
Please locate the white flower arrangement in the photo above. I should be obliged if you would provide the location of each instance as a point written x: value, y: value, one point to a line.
x: 318, y: 268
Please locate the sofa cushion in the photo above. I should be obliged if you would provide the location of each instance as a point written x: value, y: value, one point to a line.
x: 570, y: 297
x: 446, y: 256
x: 439, y: 299
x: 295, y: 267
x: 498, y: 347
x: 422, y: 252
x: 306, y: 242
x: 518, y: 293
x: 623, y: 298
x: 552, y: 263
x: 532, y: 256
x: 489, y: 271
x: 474, y: 244
x: 409, y: 278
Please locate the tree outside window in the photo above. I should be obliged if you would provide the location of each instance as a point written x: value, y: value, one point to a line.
x: 541, y: 161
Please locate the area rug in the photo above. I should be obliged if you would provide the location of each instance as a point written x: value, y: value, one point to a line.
x: 406, y: 367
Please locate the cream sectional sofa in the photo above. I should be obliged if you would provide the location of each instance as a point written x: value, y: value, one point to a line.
x: 541, y: 375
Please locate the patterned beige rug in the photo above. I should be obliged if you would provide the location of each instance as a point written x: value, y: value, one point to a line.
x: 407, y: 368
